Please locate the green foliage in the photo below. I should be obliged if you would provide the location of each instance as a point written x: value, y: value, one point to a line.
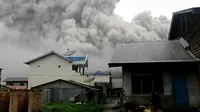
x: 71, y: 107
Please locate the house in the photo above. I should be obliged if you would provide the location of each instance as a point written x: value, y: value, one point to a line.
x: 166, y: 67
x: 186, y: 24
x: 66, y: 90
x: 52, y: 65
x: 17, y: 82
x: 79, y: 63
x: 102, y: 80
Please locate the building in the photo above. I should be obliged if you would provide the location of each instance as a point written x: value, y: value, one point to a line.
x: 17, y: 82
x: 65, y: 91
x: 102, y: 80
x: 79, y: 63
x: 166, y: 67
x: 52, y: 65
x: 116, y: 81
x: 186, y: 24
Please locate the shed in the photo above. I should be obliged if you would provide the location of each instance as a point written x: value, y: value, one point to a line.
x: 158, y: 66
x: 66, y: 90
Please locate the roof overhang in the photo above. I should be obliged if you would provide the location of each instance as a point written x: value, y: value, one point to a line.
x: 197, y: 61
x: 67, y: 81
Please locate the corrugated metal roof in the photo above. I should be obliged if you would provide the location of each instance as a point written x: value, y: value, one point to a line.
x: 155, y: 51
x: 14, y: 79
x: 68, y: 81
x: 80, y: 58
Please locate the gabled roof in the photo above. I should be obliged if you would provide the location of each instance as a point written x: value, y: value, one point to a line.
x: 100, y: 73
x: 16, y: 79
x: 47, y: 54
x: 151, y: 52
x: 68, y: 81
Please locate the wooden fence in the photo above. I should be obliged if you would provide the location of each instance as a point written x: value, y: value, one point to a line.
x: 20, y: 101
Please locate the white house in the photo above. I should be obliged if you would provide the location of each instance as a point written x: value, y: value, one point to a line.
x: 52, y: 66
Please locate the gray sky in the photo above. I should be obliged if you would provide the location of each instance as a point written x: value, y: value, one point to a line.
x: 129, y: 8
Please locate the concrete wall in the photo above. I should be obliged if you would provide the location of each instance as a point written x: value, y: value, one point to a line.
x: 192, y: 88
x: 46, y: 70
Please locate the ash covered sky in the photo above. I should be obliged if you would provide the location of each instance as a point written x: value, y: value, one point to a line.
x: 91, y: 27
x: 157, y: 7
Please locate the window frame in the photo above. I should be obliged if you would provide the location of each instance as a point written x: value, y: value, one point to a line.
x: 142, y: 84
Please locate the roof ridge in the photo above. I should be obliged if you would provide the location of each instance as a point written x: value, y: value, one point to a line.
x: 46, y: 54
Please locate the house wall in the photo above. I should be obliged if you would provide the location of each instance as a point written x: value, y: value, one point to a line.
x: 127, y: 83
x: 46, y: 69
x: 116, y: 82
x: 192, y: 88
x: 167, y: 97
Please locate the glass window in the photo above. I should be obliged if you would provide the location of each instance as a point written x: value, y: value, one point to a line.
x: 145, y: 84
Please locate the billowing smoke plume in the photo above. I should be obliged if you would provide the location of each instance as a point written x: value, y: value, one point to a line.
x: 31, y: 27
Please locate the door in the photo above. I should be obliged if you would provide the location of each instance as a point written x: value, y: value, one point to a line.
x: 180, y: 96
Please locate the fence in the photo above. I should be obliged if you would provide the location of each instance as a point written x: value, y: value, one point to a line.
x: 20, y: 101
x: 4, y: 101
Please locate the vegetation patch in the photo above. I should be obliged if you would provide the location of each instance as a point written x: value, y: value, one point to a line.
x: 72, y: 107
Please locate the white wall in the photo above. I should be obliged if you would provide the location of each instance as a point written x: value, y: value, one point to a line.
x: 116, y: 83
x: 116, y: 72
x: 46, y: 69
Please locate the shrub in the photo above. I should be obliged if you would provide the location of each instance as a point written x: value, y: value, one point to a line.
x: 71, y: 107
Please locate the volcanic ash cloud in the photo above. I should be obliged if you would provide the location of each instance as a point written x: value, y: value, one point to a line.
x: 88, y: 26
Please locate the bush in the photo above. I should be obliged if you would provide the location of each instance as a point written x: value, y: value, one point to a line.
x: 71, y: 107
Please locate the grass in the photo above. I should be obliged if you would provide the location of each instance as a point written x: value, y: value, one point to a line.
x: 71, y: 107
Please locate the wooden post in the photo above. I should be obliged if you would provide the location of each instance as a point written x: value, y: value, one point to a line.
x: 30, y: 102
x: 122, y: 99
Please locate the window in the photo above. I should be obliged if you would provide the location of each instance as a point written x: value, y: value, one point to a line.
x: 21, y: 84
x: 145, y: 84
x: 75, y: 68
x: 9, y: 84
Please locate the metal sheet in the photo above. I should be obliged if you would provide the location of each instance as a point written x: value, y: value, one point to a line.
x: 155, y: 51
